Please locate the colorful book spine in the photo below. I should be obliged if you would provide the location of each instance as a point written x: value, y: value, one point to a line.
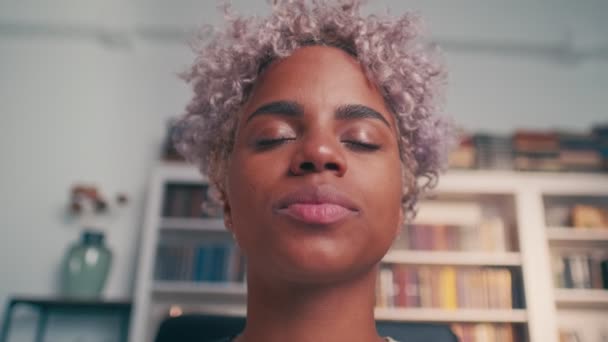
x: 203, y: 262
x: 490, y: 234
x: 446, y: 287
x: 579, y: 271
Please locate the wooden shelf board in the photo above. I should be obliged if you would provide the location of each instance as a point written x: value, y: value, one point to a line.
x: 447, y: 316
x: 453, y: 258
x: 577, y: 234
x: 190, y: 224
x: 193, y: 288
x: 581, y: 298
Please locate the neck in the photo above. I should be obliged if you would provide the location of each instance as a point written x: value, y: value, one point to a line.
x: 343, y: 311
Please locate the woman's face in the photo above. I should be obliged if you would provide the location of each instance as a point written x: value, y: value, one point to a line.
x: 314, y: 182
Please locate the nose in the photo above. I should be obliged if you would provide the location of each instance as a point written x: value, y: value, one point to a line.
x: 318, y: 153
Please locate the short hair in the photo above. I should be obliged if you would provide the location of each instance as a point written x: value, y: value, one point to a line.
x: 408, y: 73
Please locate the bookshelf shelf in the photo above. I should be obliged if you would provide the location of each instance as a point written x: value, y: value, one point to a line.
x: 411, y: 315
x: 193, y: 224
x: 233, y: 310
x: 459, y: 315
x: 562, y: 183
x: 179, y: 171
x: 192, y: 288
x: 592, y: 298
x: 453, y: 258
x: 568, y: 234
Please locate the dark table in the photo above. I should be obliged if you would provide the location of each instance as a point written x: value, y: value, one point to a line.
x: 46, y: 305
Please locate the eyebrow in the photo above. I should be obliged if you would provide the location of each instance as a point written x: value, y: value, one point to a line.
x: 285, y: 108
x: 356, y: 111
x: 294, y: 109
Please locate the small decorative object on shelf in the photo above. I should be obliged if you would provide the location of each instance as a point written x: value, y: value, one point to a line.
x: 169, y: 153
x: 87, y: 265
x: 588, y: 216
x: 87, y: 262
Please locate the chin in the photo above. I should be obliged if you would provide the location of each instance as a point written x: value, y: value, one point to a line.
x: 322, y: 263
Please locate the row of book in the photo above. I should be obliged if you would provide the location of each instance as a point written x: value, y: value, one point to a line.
x: 535, y: 151
x: 487, y: 236
x: 446, y: 287
x: 204, y: 262
x: 190, y: 201
x: 456, y: 226
x: 486, y: 332
x: 580, y: 271
x: 578, y: 216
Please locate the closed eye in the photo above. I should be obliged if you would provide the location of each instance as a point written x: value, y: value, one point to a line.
x: 272, y: 142
x: 361, y: 146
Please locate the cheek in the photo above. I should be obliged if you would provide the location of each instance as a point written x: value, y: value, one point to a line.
x: 383, y: 188
x: 249, y: 183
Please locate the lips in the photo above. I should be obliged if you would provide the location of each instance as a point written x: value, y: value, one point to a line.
x: 317, y: 205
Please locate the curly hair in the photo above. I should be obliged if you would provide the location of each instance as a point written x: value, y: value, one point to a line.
x: 229, y: 61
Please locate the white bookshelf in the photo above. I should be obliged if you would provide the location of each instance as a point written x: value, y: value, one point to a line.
x: 531, y: 257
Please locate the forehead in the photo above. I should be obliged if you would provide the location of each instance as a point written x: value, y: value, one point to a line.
x: 318, y: 77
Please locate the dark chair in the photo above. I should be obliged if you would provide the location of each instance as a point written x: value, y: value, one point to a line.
x: 208, y: 328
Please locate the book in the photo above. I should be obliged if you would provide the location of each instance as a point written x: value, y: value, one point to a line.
x: 463, y: 156
x: 449, y: 297
x: 202, y: 264
x: 493, y: 152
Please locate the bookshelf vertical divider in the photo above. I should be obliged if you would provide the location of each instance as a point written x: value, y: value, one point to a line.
x: 536, y: 267
x: 147, y: 257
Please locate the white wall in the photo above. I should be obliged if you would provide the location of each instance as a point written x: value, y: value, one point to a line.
x: 78, y: 109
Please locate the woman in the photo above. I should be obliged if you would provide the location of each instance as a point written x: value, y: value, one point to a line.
x: 316, y: 125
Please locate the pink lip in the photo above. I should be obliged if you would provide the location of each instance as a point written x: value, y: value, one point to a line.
x: 318, y: 205
x: 321, y: 214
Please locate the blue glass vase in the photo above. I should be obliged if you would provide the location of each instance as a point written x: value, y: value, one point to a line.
x: 86, y: 266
